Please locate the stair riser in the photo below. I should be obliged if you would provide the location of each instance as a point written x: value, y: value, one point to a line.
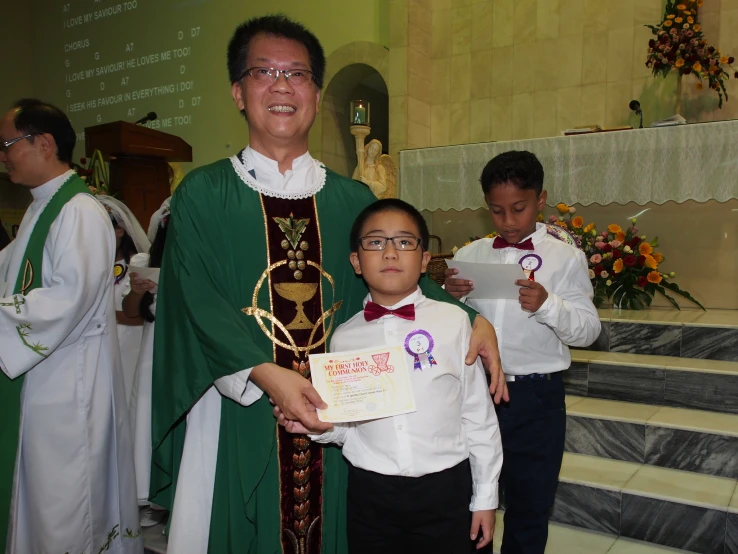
x: 731, y: 535
x: 665, y: 387
x: 659, y: 446
x: 681, y: 526
x: 710, y: 343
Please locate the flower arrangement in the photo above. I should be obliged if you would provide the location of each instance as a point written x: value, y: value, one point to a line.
x: 623, y: 265
x: 94, y: 173
x: 680, y: 45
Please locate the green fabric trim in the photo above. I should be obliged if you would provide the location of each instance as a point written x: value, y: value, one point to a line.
x: 10, y: 389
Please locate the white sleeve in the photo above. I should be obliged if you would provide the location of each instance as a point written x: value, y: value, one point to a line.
x: 81, y: 248
x: 479, y: 421
x: 239, y: 388
x: 569, y: 310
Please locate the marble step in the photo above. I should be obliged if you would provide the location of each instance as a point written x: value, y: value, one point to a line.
x: 679, y: 509
x: 687, y: 333
x: 565, y: 539
x: 677, y: 438
x: 662, y: 380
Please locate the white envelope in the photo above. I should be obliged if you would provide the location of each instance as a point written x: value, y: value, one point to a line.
x: 491, y: 281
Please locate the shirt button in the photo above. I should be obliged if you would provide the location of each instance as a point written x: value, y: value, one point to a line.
x: 406, y: 473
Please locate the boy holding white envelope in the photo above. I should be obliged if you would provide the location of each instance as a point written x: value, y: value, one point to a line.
x: 414, y: 478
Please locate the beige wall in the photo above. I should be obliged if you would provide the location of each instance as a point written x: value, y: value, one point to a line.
x: 699, y: 240
x: 518, y: 69
x: 17, y: 41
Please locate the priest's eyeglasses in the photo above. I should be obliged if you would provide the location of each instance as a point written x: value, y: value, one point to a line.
x: 405, y: 243
x: 270, y: 75
x: 5, y: 144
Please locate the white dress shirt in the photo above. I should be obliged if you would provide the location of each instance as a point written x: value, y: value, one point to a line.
x: 455, y: 417
x: 537, y: 343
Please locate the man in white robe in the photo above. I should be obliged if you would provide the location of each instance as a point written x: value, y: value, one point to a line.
x: 71, y: 486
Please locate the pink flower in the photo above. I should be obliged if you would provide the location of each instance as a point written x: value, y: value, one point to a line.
x: 615, y: 243
x: 572, y: 210
x: 604, y: 233
x: 596, y: 259
x: 553, y: 218
x: 634, y: 230
x: 600, y: 245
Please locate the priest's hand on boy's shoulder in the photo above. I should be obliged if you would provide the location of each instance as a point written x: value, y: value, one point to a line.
x: 456, y: 287
x: 532, y: 295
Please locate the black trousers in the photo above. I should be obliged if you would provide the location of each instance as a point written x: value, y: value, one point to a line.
x: 532, y: 425
x: 400, y: 515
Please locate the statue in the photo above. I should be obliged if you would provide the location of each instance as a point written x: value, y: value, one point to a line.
x: 378, y: 171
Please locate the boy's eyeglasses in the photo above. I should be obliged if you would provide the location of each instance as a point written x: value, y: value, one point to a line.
x: 404, y: 243
x: 5, y: 144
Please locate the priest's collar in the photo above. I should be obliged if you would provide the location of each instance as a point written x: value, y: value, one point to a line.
x: 44, y: 192
x: 261, y: 173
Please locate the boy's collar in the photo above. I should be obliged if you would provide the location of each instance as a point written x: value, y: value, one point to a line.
x: 538, y: 235
x: 413, y: 298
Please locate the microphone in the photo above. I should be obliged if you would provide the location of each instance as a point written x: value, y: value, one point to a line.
x: 635, y: 105
x: 151, y: 116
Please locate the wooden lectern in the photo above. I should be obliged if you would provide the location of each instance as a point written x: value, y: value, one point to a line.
x: 138, y: 156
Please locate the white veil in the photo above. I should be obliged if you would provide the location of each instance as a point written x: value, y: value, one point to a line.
x: 157, y: 217
x: 125, y: 219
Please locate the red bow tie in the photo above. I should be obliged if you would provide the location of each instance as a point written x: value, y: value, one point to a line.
x: 374, y: 311
x: 499, y: 242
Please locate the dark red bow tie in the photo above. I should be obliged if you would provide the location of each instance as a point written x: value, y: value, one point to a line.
x: 499, y: 242
x: 374, y: 311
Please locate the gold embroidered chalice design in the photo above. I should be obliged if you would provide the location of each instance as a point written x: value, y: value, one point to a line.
x: 299, y: 293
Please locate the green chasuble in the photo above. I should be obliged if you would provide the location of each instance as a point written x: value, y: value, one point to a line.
x: 29, y: 277
x: 225, y: 245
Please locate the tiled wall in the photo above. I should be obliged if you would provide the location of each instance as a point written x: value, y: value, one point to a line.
x: 481, y: 70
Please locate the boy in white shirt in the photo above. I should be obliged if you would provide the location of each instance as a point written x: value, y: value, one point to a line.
x: 554, y: 311
x: 415, y: 478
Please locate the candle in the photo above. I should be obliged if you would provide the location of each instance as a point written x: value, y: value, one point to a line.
x: 359, y: 115
x: 359, y: 112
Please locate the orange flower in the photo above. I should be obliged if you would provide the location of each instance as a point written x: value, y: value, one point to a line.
x: 699, y: 85
x: 620, y: 236
x: 659, y: 257
x: 678, y: 20
x: 724, y: 59
x: 679, y: 62
x: 577, y: 222
x: 645, y: 248
x: 681, y: 7
x: 654, y: 277
x: 650, y: 262
x: 562, y: 224
x: 670, y: 16
x: 667, y: 23
x: 617, y: 267
x: 539, y: 218
x: 699, y: 3
x: 614, y: 228
x: 696, y: 28
x: 563, y: 208
x: 588, y: 228
x: 697, y: 66
x: 690, y: 19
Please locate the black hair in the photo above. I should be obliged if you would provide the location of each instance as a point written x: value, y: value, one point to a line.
x: 517, y: 167
x: 127, y: 246
x: 37, y: 118
x: 156, y: 253
x: 388, y: 205
x: 277, y: 25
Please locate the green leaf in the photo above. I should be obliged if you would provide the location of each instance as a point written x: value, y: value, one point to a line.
x: 669, y: 298
x: 674, y: 287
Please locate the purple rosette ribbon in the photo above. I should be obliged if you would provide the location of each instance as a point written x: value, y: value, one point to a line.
x: 419, y: 344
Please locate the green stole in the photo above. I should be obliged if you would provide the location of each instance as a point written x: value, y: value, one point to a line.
x: 29, y: 278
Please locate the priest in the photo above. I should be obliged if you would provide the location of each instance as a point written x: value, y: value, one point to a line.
x: 66, y: 468
x: 254, y: 279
